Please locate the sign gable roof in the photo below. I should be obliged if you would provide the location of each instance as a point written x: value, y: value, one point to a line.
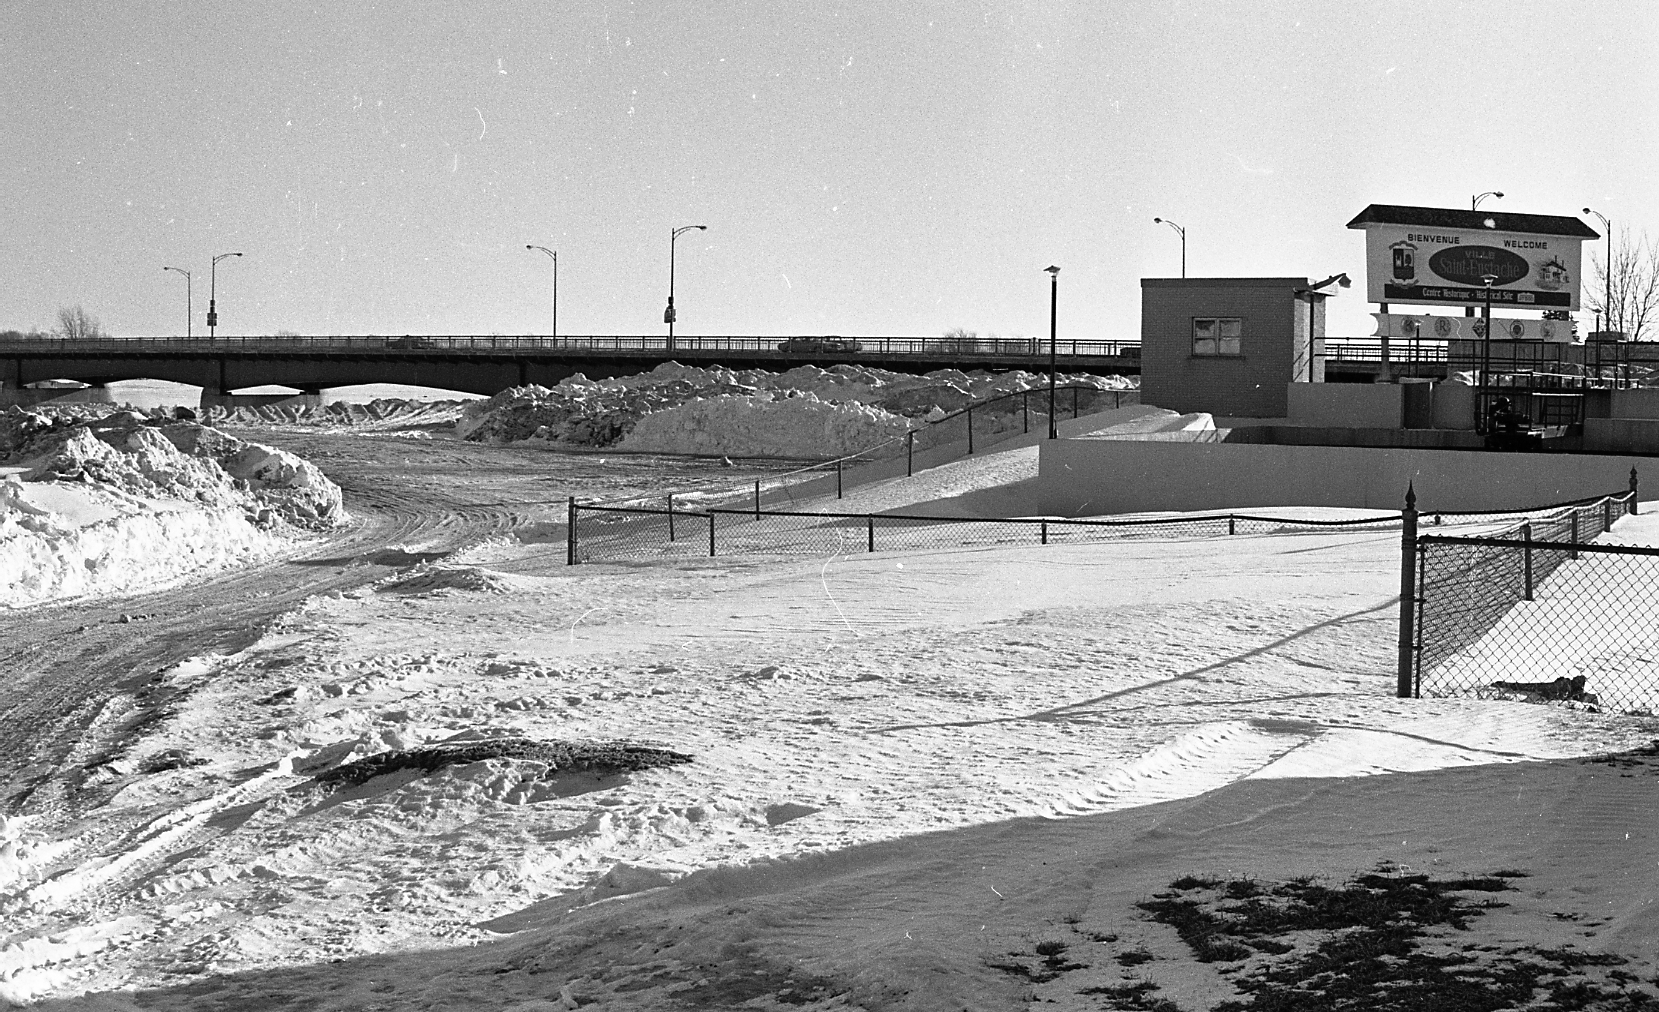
x: 1446, y: 217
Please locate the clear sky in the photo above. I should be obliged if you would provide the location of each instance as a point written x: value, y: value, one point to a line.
x: 863, y: 167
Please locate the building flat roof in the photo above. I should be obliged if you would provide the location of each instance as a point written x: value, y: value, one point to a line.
x: 1447, y: 217
x: 1223, y: 282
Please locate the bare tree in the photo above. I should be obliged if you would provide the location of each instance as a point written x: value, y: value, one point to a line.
x: 1634, y: 288
x: 77, y: 324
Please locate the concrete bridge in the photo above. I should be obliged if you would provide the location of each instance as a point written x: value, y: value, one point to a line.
x: 488, y: 365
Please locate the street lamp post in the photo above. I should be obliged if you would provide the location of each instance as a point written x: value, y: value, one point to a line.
x: 555, y: 257
x: 1183, y: 234
x: 189, y: 313
x: 213, y: 295
x: 1053, y: 321
x: 1474, y: 202
x: 1484, y: 410
x: 668, y: 314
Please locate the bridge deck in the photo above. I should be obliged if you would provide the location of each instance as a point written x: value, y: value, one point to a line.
x: 488, y: 364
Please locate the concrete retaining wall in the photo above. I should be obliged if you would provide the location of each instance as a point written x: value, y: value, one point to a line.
x: 1640, y: 403
x: 1622, y: 435
x: 1089, y: 476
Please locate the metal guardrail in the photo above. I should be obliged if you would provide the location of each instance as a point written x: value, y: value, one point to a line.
x: 783, y: 348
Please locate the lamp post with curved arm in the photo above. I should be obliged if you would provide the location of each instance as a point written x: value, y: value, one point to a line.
x: 669, y: 315
x: 1183, y: 233
x: 189, y: 313
x: 213, y: 295
x: 1474, y: 202
x: 1313, y: 294
x: 1607, y: 300
x: 555, y: 257
x: 1606, y: 325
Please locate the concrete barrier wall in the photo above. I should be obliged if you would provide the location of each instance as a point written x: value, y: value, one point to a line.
x: 1454, y: 406
x: 1079, y: 477
x: 1347, y: 405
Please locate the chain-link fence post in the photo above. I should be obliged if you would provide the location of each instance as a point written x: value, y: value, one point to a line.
x: 757, y: 500
x: 909, y: 452
x: 1408, y: 591
x: 1526, y: 562
x: 1025, y: 411
x: 570, y: 533
x: 1633, y: 507
x: 970, y: 429
x: 1572, y: 536
x: 838, y: 479
x: 1045, y: 532
x: 670, y: 518
x: 870, y: 522
x: 711, y: 535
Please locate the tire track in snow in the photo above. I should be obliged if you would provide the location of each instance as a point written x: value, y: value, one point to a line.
x: 1194, y: 763
x: 173, y: 831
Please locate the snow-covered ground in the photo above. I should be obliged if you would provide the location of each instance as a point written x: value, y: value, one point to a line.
x: 910, y: 772
x: 936, y: 779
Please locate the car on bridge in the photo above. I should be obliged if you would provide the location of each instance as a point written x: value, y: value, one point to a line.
x: 810, y: 345
x: 410, y: 341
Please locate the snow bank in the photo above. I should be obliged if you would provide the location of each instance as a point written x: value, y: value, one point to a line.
x: 805, y: 412
x: 127, y: 503
x: 764, y: 426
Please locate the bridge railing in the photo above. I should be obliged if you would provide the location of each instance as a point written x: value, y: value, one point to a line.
x: 802, y: 348
x: 1369, y: 349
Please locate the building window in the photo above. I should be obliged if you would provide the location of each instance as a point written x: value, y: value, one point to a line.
x: 1216, y: 335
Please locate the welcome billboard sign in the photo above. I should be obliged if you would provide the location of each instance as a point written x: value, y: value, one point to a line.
x: 1435, y: 256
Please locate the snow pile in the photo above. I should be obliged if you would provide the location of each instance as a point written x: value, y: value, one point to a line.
x: 761, y: 425
x: 806, y: 411
x: 185, y: 460
x: 123, y: 504
x: 137, y: 546
x: 379, y: 413
x: 582, y: 412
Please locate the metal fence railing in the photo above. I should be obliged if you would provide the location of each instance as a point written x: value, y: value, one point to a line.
x: 1532, y: 609
x: 633, y: 534
x: 976, y: 427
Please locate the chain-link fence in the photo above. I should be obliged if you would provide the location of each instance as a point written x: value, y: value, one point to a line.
x: 625, y: 534
x: 1534, y: 610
